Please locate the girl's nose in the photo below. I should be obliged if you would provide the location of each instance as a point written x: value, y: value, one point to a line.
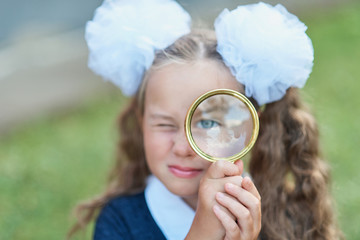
x: 181, y: 146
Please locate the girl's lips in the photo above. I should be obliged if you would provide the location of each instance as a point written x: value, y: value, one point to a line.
x: 184, y: 172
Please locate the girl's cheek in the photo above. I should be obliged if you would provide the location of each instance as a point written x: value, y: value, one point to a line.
x: 161, y: 138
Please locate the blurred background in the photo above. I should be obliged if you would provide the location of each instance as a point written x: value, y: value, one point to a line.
x: 57, y: 119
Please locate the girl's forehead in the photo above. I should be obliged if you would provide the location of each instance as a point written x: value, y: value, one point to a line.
x: 202, y: 75
x: 178, y: 85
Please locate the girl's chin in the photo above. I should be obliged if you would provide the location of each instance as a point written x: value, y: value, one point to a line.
x: 184, y: 190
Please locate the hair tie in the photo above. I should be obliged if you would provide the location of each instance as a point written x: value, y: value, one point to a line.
x: 124, y: 35
x: 266, y: 49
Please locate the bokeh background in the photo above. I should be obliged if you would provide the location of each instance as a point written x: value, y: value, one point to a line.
x: 58, y: 120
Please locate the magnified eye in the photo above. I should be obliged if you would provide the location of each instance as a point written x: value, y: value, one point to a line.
x: 206, y: 124
x: 221, y: 125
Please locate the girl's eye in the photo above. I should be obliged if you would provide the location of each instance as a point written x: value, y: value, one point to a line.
x: 206, y: 124
x: 165, y: 126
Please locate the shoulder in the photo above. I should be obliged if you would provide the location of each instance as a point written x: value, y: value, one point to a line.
x: 126, y: 217
x: 125, y: 203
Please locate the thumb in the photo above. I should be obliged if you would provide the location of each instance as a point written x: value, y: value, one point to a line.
x: 222, y: 168
x: 240, y: 164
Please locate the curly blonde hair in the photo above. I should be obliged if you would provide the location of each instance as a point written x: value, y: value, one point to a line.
x: 285, y: 162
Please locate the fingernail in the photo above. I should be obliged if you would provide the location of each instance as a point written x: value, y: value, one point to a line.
x: 229, y: 185
x: 216, y: 208
x: 220, y: 195
x: 246, y: 182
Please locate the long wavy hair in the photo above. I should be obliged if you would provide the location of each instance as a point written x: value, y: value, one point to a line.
x: 285, y: 163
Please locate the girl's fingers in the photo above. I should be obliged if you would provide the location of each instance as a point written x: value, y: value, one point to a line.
x: 250, y: 186
x: 240, y: 165
x: 249, y: 200
x: 221, y: 169
x: 232, y: 230
x: 244, y: 217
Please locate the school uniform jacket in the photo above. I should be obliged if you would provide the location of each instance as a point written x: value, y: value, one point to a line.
x: 154, y: 214
x: 127, y: 218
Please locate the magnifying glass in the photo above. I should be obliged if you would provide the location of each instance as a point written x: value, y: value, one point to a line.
x: 222, y: 125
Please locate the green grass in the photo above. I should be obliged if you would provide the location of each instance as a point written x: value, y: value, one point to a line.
x: 50, y: 164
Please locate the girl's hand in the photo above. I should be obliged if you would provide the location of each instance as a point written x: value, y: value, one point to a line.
x: 244, y: 204
x: 206, y: 224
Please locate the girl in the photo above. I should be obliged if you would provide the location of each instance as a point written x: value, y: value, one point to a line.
x: 159, y: 188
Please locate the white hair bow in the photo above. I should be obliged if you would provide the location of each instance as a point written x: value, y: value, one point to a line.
x: 265, y: 47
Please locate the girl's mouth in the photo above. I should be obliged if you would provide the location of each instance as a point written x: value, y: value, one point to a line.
x: 184, y: 172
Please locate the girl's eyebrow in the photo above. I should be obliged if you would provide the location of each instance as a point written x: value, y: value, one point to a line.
x: 160, y: 116
x: 211, y: 109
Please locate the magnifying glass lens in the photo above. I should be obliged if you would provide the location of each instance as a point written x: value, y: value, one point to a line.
x: 222, y: 126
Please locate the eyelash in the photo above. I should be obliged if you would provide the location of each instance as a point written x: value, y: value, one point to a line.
x: 165, y: 125
x: 203, y: 124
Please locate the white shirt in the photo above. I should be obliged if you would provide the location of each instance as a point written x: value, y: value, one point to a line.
x: 173, y: 216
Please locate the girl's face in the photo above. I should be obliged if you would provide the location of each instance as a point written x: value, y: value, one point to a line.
x: 168, y: 95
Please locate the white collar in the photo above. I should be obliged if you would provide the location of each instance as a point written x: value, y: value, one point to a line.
x: 173, y: 216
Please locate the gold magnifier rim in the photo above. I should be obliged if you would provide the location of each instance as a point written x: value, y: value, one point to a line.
x: 190, y: 114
